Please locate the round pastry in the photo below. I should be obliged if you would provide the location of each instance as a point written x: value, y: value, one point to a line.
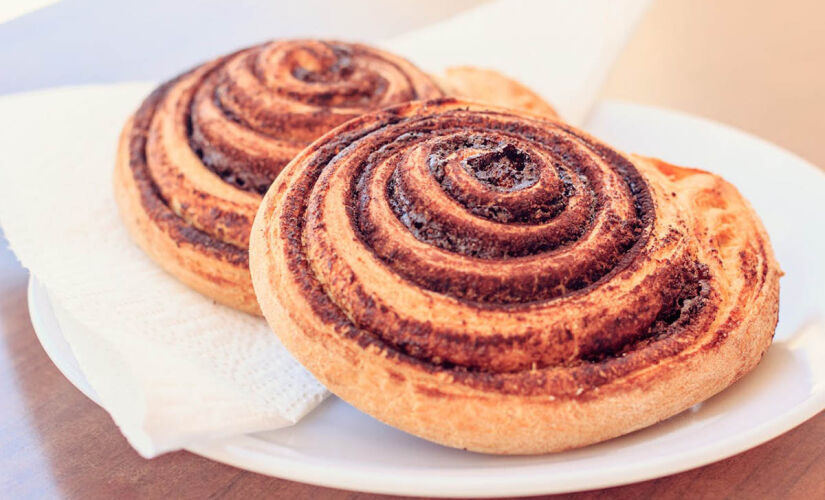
x: 507, y: 284
x: 195, y: 159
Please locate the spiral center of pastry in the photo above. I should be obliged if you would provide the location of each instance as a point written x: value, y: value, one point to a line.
x: 504, y: 168
x: 333, y: 63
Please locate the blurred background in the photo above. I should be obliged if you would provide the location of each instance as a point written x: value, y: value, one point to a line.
x: 758, y: 65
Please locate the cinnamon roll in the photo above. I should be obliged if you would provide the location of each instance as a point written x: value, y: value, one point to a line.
x: 197, y: 156
x: 503, y: 283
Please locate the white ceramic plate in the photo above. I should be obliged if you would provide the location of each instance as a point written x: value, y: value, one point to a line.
x: 341, y: 447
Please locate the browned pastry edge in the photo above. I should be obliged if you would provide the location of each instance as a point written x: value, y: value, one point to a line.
x: 207, y: 266
x: 201, y: 238
x: 546, y: 408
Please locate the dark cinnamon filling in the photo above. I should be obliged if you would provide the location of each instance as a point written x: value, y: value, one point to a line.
x: 504, y: 168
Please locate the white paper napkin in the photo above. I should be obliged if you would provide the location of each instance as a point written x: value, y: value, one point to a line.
x: 170, y: 366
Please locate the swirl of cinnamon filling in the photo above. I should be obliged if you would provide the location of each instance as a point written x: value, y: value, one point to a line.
x: 200, y: 152
x: 492, y: 281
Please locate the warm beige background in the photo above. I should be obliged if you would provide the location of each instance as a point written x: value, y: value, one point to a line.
x: 758, y: 65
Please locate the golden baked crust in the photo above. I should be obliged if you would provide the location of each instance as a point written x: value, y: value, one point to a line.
x: 507, y: 284
x: 195, y: 159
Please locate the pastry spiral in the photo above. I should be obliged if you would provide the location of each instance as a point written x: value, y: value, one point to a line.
x: 507, y: 284
x: 199, y: 153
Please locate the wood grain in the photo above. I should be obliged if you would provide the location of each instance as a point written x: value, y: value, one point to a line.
x: 754, y: 64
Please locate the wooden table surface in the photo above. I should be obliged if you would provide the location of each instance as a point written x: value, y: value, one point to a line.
x: 757, y: 65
